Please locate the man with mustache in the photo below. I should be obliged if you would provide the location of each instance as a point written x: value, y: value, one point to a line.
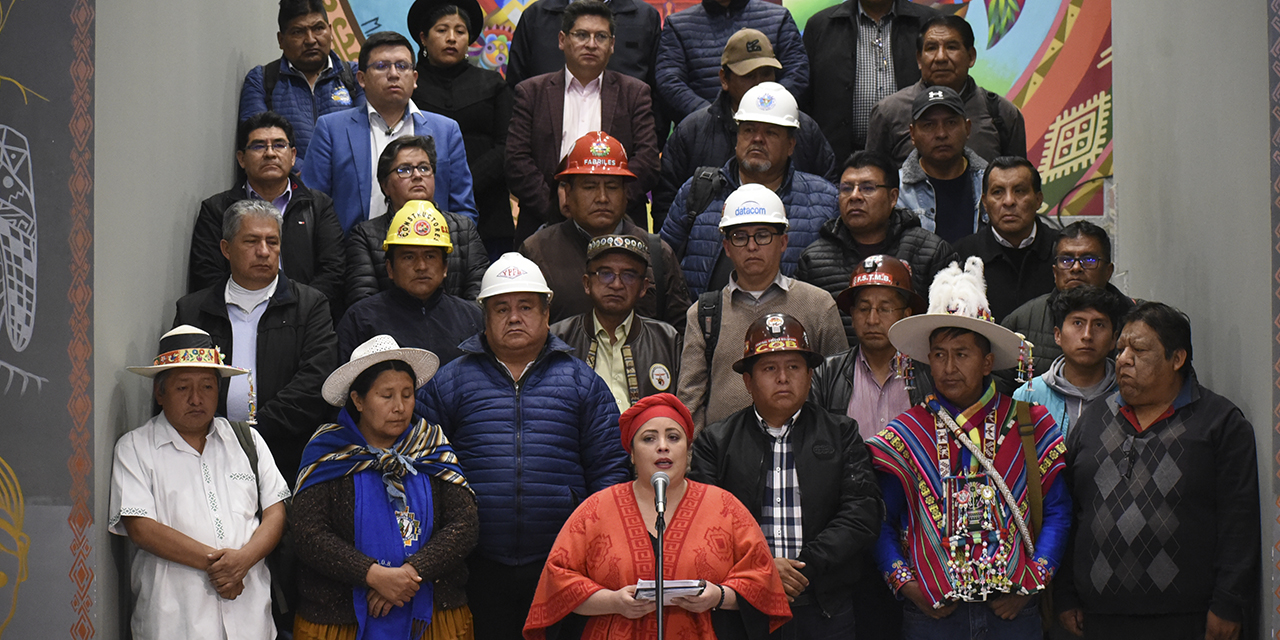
x: 311, y: 239
x: 811, y: 487
x: 768, y: 120
x: 941, y: 181
x: 594, y: 180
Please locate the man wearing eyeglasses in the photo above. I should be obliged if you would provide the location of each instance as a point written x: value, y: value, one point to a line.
x: 1164, y: 478
x: 1015, y: 244
x: 870, y: 224
x: 342, y: 160
x: 553, y: 110
x: 636, y: 356
x: 768, y: 121
x: 1082, y: 256
x: 754, y: 230
x: 593, y: 185
x: 310, y: 239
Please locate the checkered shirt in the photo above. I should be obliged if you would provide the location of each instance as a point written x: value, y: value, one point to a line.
x: 873, y: 79
x: 780, y: 517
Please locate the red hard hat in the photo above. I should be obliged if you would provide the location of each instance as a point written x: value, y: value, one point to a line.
x: 596, y: 153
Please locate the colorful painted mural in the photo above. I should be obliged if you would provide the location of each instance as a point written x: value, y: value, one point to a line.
x: 1051, y: 58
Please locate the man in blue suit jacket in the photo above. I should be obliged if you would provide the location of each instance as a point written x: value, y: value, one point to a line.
x: 341, y: 157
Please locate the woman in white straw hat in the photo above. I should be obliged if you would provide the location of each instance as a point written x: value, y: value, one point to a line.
x: 383, y: 516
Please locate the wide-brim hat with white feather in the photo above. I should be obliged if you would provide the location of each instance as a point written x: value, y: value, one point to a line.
x: 374, y: 350
x: 957, y: 299
x: 186, y: 346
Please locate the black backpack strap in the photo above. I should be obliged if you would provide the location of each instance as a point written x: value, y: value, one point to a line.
x: 658, y: 262
x: 709, y: 321
x: 993, y: 109
x: 707, y: 182
x: 270, y: 76
x: 347, y: 79
x: 245, y: 436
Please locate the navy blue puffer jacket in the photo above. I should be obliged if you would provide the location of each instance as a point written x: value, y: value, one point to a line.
x: 689, y: 49
x: 809, y: 200
x: 531, y: 450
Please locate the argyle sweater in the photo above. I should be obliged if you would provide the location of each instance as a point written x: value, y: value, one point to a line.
x: 1167, y: 520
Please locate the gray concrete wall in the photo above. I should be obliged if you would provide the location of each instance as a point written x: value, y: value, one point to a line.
x: 168, y: 85
x: 1192, y: 167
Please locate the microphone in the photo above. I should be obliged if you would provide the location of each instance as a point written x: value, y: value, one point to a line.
x: 660, y: 480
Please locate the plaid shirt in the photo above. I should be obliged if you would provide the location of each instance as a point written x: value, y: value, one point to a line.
x: 780, y: 517
x: 873, y: 79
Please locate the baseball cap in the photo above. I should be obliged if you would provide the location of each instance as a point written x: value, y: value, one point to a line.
x: 936, y: 95
x: 748, y: 50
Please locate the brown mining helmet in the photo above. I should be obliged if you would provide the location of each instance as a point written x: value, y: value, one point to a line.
x: 881, y: 271
x: 772, y: 333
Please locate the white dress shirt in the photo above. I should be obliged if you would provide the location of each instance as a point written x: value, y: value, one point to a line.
x: 380, y: 135
x: 581, y: 110
x: 211, y: 497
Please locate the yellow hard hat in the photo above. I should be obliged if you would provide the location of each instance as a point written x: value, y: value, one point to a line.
x: 419, y: 223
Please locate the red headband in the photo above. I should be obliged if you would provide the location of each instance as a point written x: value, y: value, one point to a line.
x: 662, y: 405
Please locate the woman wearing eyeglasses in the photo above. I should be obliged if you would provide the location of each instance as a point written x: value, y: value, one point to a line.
x: 478, y: 99
x: 406, y: 171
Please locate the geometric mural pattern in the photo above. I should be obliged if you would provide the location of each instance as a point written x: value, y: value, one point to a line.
x: 80, y: 295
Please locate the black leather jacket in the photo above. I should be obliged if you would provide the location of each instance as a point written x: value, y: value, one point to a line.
x: 655, y: 349
x: 833, y: 382
x: 367, y: 262
x: 841, y: 505
x: 310, y: 236
x: 296, y: 351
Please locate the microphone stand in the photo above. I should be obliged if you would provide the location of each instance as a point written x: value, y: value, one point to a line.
x: 661, y: 526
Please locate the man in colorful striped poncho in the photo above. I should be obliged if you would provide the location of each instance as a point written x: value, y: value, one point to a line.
x: 964, y: 541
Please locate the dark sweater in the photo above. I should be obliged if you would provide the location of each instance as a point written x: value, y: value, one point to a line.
x: 1177, y: 533
x: 323, y: 526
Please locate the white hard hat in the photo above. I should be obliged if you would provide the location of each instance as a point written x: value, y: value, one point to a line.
x: 512, y: 272
x: 769, y: 102
x: 753, y: 204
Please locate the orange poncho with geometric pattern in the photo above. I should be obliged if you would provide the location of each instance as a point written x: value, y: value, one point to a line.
x: 605, y: 545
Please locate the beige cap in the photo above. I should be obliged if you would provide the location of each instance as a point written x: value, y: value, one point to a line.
x: 748, y: 50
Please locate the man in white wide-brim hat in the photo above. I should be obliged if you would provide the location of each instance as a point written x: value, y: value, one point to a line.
x: 979, y: 545
x: 184, y: 491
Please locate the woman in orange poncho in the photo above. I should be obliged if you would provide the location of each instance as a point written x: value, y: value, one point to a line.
x: 609, y: 543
